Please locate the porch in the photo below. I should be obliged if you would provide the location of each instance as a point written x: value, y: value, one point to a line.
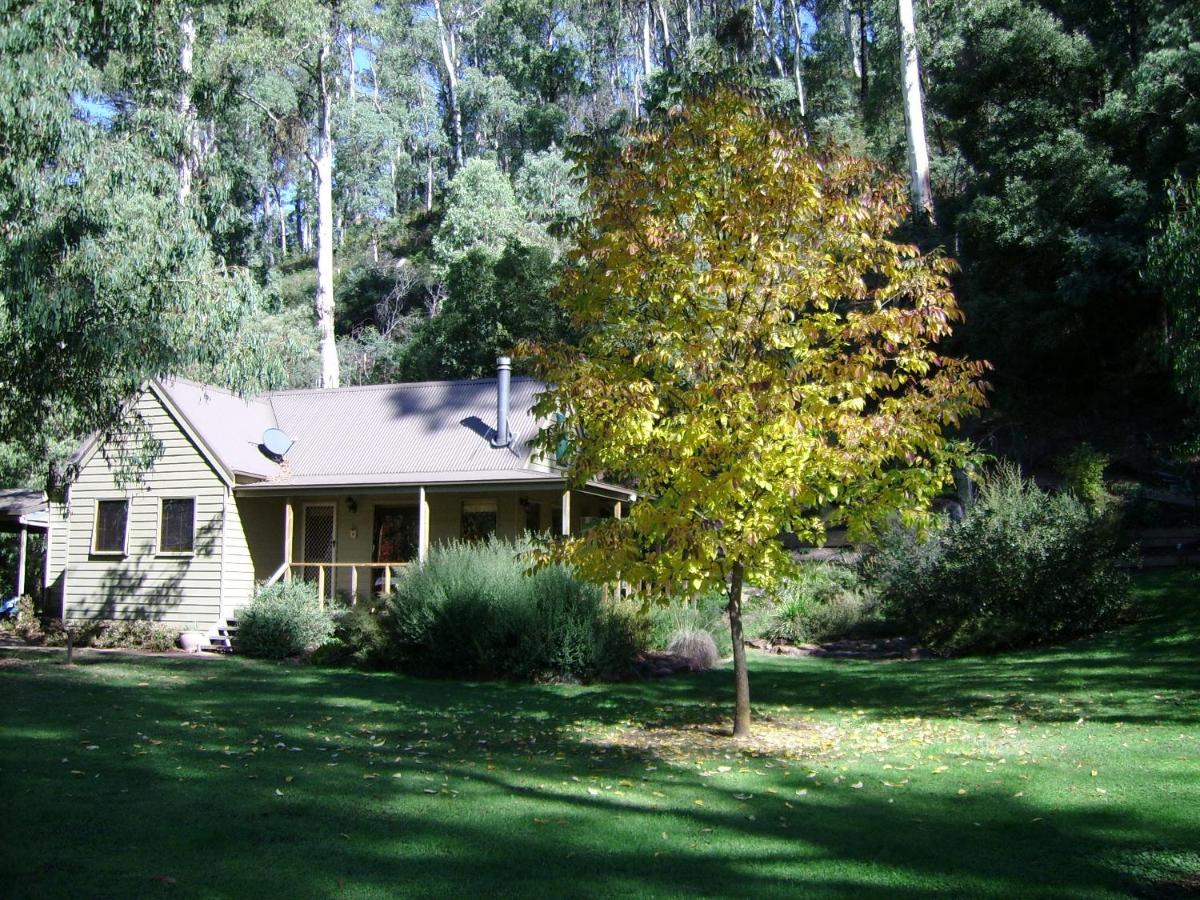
x: 352, y: 544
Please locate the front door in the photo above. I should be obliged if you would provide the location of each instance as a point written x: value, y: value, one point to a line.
x: 319, y: 541
x: 395, y: 538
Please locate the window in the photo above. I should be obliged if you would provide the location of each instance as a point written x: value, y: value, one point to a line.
x: 177, y: 526
x: 478, y: 519
x: 111, y: 519
x: 533, y: 516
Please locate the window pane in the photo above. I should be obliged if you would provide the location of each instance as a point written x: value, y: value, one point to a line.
x: 178, y: 526
x: 533, y: 517
x: 110, y: 526
x: 478, y: 519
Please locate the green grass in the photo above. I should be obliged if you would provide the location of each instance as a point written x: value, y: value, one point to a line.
x: 1069, y: 772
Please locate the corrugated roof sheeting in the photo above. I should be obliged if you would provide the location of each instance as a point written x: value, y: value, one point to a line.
x: 232, y: 426
x: 403, y: 432
x: 424, y: 433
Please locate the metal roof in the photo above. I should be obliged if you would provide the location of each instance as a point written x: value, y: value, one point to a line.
x: 230, y: 425
x: 430, y: 433
x: 20, y: 506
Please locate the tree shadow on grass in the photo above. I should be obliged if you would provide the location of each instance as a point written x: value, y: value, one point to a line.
x: 249, y: 780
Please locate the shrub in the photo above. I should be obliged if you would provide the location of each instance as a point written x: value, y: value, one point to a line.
x: 1023, y: 568
x: 821, y: 602
x: 1083, y: 469
x: 696, y: 647
x: 475, y: 610
x: 283, y: 620
x: 138, y: 634
x: 358, y: 638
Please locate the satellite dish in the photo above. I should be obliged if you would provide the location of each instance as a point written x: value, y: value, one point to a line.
x: 276, y: 442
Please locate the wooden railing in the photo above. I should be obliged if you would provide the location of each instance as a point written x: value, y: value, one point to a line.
x: 328, y: 570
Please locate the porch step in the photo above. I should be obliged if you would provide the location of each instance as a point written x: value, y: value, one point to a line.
x: 223, y: 642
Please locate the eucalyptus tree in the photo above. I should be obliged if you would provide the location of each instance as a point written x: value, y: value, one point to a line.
x: 914, y: 115
x: 292, y: 55
x: 103, y: 283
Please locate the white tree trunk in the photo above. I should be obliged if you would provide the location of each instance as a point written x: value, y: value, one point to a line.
x: 914, y: 116
x: 797, y: 59
x: 688, y: 23
x: 282, y: 222
x: 449, y: 49
x: 352, y: 74
x: 647, y: 41
x: 852, y: 34
x: 764, y: 25
x: 188, y: 151
x: 661, y: 9
x: 324, y: 173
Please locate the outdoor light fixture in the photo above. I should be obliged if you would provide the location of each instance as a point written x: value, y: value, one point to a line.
x: 352, y: 504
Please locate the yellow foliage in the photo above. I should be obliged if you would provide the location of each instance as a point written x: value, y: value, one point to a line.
x: 758, y: 355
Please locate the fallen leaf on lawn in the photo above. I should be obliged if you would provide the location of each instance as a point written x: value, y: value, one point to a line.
x: 857, y: 785
x: 698, y: 802
x: 743, y: 796
x: 278, y: 792
x: 165, y: 879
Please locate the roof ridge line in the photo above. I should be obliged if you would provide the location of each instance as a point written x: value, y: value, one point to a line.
x: 390, y: 385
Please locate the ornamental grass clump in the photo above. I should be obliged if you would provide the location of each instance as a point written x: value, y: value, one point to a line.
x: 821, y: 602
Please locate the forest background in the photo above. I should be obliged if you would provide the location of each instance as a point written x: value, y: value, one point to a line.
x: 303, y: 193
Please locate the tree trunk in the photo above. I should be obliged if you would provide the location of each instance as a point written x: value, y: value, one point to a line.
x: 687, y: 23
x: 187, y: 110
x: 851, y: 38
x: 741, y: 677
x: 797, y: 61
x: 764, y: 25
x: 282, y: 222
x: 660, y: 8
x: 324, y: 172
x: 647, y: 41
x: 449, y: 49
x: 914, y: 117
x: 352, y: 74
x: 429, y: 181
x: 864, y: 61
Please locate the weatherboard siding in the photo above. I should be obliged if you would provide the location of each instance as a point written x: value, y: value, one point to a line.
x: 143, y: 584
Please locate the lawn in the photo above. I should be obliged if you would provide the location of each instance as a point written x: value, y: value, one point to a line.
x: 1069, y: 772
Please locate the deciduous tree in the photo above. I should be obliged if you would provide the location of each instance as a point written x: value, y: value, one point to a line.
x: 758, y: 355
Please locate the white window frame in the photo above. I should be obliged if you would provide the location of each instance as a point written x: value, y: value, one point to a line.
x: 159, y: 551
x: 124, y: 551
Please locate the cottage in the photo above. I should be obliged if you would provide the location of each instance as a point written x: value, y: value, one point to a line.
x: 342, y: 487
